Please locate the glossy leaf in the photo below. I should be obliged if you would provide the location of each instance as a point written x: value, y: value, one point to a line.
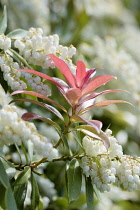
x: 34, y: 193
x: 39, y: 96
x: 97, y: 82
x: 90, y: 73
x: 20, y: 194
x: 10, y: 200
x: 80, y: 73
x: 46, y: 106
x: 17, y: 34
x: 32, y: 116
x: 94, y: 123
x: 94, y: 95
x: 23, y: 176
x: 73, y: 94
x: 3, y: 21
x: 42, y: 75
x: 74, y: 180
x: 104, y: 103
x: 62, y: 66
x: 89, y: 194
x: 3, y: 176
x: 90, y: 131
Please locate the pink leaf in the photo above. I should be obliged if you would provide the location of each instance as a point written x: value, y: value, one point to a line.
x: 80, y: 72
x: 94, y: 123
x: 94, y: 95
x: 84, y: 105
x: 46, y: 106
x: 39, y: 96
x: 32, y: 116
x: 97, y: 82
x: 73, y: 94
x: 90, y: 131
x: 62, y: 66
x: 88, y: 77
x: 42, y: 75
x: 104, y: 103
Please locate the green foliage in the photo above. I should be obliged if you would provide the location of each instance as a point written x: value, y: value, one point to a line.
x: 3, y: 21
x: 74, y: 179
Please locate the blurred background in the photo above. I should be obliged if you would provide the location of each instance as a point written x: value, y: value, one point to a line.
x: 106, y: 33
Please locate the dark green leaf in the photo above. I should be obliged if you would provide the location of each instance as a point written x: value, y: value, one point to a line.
x: 10, y: 200
x: 3, y: 82
x: 20, y: 194
x: 3, y: 176
x: 89, y: 194
x: 66, y: 145
x: 3, y: 21
x: 34, y: 193
x: 2, y: 196
x: 23, y: 176
x: 25, y: 152
x: 17, y: 34
x: 74, y: 179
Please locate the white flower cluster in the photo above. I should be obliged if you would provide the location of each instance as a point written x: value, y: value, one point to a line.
x: 35, y: 48
x: 101, y: 9
x: 110, y: 167
x: 5, y: 42
x: 14, y: 130
x: 30, y: 13
x: 11, y: 73
x: 46, y: 186
x: 119, y: 61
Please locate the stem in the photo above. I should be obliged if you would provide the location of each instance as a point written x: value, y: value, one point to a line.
x: 20, y: 58
x: 63, y: 158
x: 66, y: 130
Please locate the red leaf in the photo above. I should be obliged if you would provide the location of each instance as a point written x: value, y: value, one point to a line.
x: 97, y: 82
x: 104, y: 103
x: 94, y: 95
x: 88, y: 77
x: 62, y: 66
x: 41, y: 75
x: 80, y: 73
x: 46, y: 106
x: 73, y: 94
x: 39, y: 96
x: 32, y: 116
x: 94, y: 123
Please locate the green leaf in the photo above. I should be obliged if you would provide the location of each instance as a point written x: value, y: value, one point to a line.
x: 34, y: 193
x: 23, y: 176
x: 3, y: 176
x: 17, y: 34
x: 3, y: 21
x: 25, y: 152
x: 89, y: 194
x: 74, y: 179
x: 30, y: 146
x: 2, y: 196
x: 3, y: 82
x: 77, y: 139
x: 20, y: 194
x: 10, y: 200
x: 66, y: 145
